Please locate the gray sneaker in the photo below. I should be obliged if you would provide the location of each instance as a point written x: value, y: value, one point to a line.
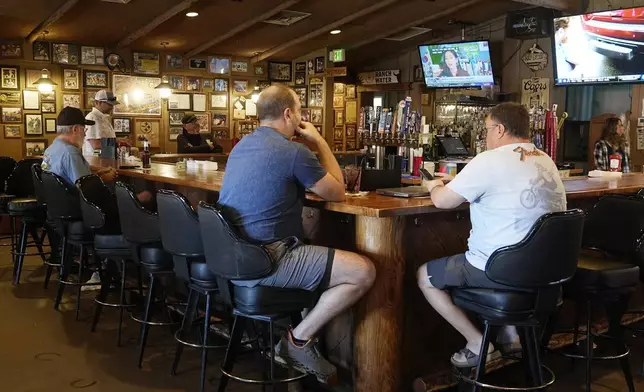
x: 306, y: 359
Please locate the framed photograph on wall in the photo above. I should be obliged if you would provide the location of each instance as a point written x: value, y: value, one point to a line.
x: 240, y: 87
x: 31, y: 77
x: 95, y: 79
x: 316, y: 116
x: 300, y: 78
x: 33, y: 124
x: 10, y: 51
x: 204, y: 122
x: 92, y: 55
x: 279, y: 71
x: 260, y: 70
x: 48, y: 107
x: 221, y: 85
x: 199, y: 102
x: 339, y: 118
x: 10, y: 97
x: 145, y: 63
x: 9, y: 77
x: 173, y: 61
x: 178, y: 83
x: 50, y: 125
x: 239, y: 66
x: 30, y: 100
x: 338, y: 101
x: 126, y: 87
x: 300, y: 67
x: 207, y: 84
x: 302, y: 94
x: 174, y: 132
x: 219, y: 120
x: 48, y: 97
x: 65, y: 54
x: 219, y: 65
x: 12, y: 132
x: 193, y: 83
x: 339, y: 88
x: 218, y: 101
x: 88, y: 101
x: 122, y: 125
x: 70, y: 79
x: 11, y: 115
x: 41, y: 51
x: 319, y: 64
x: 316, y: 95
x: 175, y: 118
x: 180, y: 102
x: 350, y: 91
x: 198, y: 64
x: 34, y: 147
x: 306, y: 114
x: 73, y: 100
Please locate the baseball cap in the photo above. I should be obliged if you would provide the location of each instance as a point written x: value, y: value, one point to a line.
x: 72, y: 116
x: 189, y: 118
x: 107, y: 97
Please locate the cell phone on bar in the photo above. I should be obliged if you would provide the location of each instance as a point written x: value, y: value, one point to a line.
x: 425, y: 174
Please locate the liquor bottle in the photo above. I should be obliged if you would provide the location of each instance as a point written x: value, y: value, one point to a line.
x: 145, y: 155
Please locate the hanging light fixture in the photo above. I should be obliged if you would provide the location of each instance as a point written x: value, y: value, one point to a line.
x: 165, y: 89
x: 45, y: 84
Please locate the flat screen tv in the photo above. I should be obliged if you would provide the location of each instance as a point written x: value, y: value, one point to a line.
x: 602, y: 47
x: 457, y: 64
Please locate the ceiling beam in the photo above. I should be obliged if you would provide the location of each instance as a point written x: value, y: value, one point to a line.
x: 182, y: 6
x: 561, y: 5
x: 221, y: 38
x: 62, y: 10
x: 323, y: 30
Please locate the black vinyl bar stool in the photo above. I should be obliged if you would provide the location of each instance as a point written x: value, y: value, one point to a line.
x: 7, y: 164
x: 54, y: 241
x: 612, y: 230
x: 63, y: 206
x: 181, y: 237
x: 232, y: 258
x: 534, y: 270
x: 100, y: 214
x: 140, y: 227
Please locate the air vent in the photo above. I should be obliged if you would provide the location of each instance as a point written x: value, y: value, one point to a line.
x: 117, y: 1
x: 408, y: 33
x: 287, y: 18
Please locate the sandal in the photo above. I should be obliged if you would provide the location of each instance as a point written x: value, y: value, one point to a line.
x: 471, y: 359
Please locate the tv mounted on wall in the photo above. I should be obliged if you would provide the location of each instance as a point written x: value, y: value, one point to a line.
x: 457, y: 64
x: 602, y: 47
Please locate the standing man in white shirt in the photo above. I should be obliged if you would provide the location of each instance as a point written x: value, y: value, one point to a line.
x: 104, y: 102
x: 508, y: 187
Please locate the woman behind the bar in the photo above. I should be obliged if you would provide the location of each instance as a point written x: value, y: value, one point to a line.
x: 191, y: 141
x: 450, y: 65
x: 612, y: 142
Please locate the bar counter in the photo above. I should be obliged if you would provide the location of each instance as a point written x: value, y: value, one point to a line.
x: 392, y: 336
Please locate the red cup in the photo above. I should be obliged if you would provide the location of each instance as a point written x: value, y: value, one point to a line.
x: 418, y: 163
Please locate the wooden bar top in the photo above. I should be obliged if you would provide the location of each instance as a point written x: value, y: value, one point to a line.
x: 371, y: 204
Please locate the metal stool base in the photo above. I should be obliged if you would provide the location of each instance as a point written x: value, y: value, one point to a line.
x: 468, y: 380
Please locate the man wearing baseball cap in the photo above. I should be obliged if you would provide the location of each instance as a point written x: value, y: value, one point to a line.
x: 104, y: 102
x: 191, y: 141
x: 63, y: 157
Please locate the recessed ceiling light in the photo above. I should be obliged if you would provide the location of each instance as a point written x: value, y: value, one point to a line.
x: 192, y: 14
x: 334, y: 32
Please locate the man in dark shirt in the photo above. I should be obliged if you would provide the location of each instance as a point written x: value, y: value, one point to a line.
x: 191, y: 141
x: 262, y: 193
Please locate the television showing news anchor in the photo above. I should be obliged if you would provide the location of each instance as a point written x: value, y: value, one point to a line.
x: 458, y: 64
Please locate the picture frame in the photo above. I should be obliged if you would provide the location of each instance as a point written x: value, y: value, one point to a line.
x: 174, y: 118
x: 88, y: 99
x: 11, y: 115
x: 30, y: 100
x: 9, y: 77
x: 33, y: 125
x: 48, y: 97
x: 180, y: 102
x: 12, y: 132
x: 306, y: 114
x: 350, y: 91
x: 41, y: 51
x: 338, y: 101
x: 207, y: 84
x: 302, y: 93
x: 145, y: 63
x: 34, y: 147
x: 320, y: 64
x: 65, y: 54
x: 300, y: 78
x: 310, y: 67
x: 92, y: 55
x: 198, y: 63
x: 263, y: 84
x: 280, y: 71
x: 125, y: 86
x: 351, y: 112
x: 73, y: 100
x: 260, y: 69
x: 95, y: 79
x: 71, y: 79
x: 218, y: 101
x: 339, y: 118
x: 219, y: 120
x: 173, y: 61
x: 48, y: 107
x: 219, y: 65
x: 240, y: 87
x: 32, y: 76
x: 10, y: 97
x: 300, y: 67
x: 193, y: 83
x: 177, y: 82
x: 351, y: 131
x: 221, y: 85
x: 316, y: 116
x: 239, y: 108
x: 50, y: 125
x: 149, y: 128
x: 122, y: 125
x: 339, y: 88
x: 199, y: 102
x: 338, y: 134
x: 204, y: 122
x: 10, y: 51
x: 316, y: 95
x: 239, y: 66
x: 174, y: 132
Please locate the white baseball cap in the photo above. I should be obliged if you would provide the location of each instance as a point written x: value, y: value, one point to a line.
x: 107, y: 97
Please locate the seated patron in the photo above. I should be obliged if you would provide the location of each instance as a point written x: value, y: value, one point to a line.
x: 612, y: 143
x: 261, y: 196
x: 508, y: 187
x: 191, y: 141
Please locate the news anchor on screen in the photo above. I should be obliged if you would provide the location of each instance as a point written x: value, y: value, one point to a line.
x: 450, y: 66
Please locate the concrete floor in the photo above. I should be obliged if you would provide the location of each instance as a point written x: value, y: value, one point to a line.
x: 45, y: 350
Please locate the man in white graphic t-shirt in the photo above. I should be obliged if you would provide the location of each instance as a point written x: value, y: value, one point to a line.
x: 508, y: 187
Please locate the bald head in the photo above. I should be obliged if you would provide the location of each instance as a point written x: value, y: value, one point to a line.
x: 274, y: 101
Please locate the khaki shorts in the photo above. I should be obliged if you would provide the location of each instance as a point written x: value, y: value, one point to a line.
x: 456, y: 271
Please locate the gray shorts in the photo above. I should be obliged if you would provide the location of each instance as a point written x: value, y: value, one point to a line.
x: 456, y: 271
x: 296, y: 266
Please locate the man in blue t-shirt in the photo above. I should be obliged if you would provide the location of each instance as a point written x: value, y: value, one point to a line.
x: 261, y: 196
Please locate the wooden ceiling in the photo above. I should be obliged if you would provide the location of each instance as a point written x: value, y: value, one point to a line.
x: 234, y: 27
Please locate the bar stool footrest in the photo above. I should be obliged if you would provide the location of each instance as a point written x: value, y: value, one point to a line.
x: 265, y: 382
x: 462, y: 377
x: 195, y: 345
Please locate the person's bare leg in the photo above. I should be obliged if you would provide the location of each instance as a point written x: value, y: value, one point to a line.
x: 351, y: 276
x: 442, y: 302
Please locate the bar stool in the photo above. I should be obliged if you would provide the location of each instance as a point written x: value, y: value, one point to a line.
x: 7, y: 164
x: 63, y: 205
x: 232, y: 258
x: 181, y: 237
x: 100, y: 214
x: 54, y: 242
x: 140, y: 227
x: 613, y: 227
x: 533, y: 270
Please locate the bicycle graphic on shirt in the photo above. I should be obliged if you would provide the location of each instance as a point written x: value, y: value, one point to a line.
x: 541, y: 189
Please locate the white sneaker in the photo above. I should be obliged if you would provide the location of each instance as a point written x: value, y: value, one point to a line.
x: 95, y: 278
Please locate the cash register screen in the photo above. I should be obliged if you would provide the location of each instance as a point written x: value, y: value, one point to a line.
x: 453, y: 146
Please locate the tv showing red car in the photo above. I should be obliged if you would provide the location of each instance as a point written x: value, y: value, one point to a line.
x: 602, y: 47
